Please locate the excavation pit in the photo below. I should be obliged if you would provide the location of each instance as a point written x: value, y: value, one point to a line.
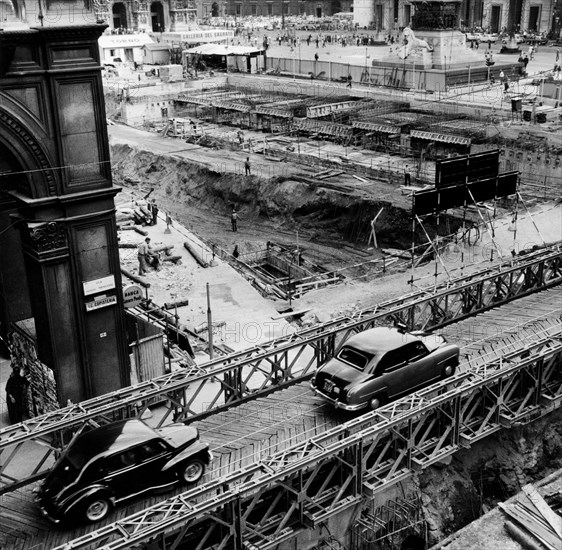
x: 286, y: 272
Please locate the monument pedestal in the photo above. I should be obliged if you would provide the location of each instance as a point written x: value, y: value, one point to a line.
x: 511, y: 47
x: 450, y: 49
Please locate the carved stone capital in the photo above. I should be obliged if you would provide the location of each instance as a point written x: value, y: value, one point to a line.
x: 46, y: 237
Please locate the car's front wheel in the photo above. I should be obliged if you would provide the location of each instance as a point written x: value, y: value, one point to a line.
x: 96, y: 509
x: 192, y: 470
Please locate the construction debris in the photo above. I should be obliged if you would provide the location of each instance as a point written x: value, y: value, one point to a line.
x: 135, y: 278
x: 197, y: 253
x: 205, y: 327
x: 176, y: 303
x: 140, y: 230
x: 173, y: 259
x: 534, y: 516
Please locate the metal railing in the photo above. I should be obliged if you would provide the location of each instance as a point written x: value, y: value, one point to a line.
x: 264, y: 368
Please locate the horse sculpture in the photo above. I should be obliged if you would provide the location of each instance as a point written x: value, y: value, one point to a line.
x: 413, y: 43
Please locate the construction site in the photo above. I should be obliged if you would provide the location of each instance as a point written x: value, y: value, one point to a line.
x: 356, y: 207
x: 333, y: 172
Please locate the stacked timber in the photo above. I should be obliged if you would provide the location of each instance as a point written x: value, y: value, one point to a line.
x: 532, y: 522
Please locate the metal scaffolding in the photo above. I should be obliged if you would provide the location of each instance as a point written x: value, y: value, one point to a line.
x: 267, y: 367
x: 272, y: 501
x: 386, y: 526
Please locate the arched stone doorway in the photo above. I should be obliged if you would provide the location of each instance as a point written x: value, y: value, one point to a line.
x: 7, y: 12
x: 119, y: 11
x: 57, y: 223
x: 215, y: 10
x: 157, y: 16
x: 14, y: 294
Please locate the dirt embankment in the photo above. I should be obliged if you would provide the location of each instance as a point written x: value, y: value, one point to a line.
x: 491, y: 471
x: 274, y: 208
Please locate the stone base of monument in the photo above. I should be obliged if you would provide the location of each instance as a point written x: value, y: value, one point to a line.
x: 415, y: 76
x: 511, y: 47
x: 380, y: 38
x: 450, y: 63
x: 450, y: 49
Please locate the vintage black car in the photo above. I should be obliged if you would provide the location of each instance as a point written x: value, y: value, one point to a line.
x: 382, y: 364
x: 107, y: 465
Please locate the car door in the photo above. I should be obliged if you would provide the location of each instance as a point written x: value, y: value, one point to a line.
x: 419, y: 369
x: 402, y: 369
x: 134, y: 470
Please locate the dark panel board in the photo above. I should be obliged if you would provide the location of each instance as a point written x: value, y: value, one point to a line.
x: 455, y: 196
x: 425, y: 202
x: 451, y: 197
x: 483, y: 165
x: 451, y: 171
x: 507, y: 184
x: 484, y: 190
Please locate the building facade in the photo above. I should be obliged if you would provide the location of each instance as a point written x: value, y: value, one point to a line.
x: 542, y: 16
x: 121, y: 15
x: 275, y: 8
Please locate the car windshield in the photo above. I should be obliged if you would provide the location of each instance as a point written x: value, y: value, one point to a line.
x: 355, y: 358
x: 79, y: 455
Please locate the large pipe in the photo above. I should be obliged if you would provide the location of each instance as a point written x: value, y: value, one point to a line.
x: 197, y: 253
x: 135, y: 278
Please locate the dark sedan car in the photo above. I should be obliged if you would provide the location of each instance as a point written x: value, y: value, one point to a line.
x: 382, y: 364
x: 107, y: 465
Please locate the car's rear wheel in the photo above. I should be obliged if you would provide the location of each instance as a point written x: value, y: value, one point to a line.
x: 448, y: 370
x: 96, y: 509
x: 377, y: 401
x: 192, y: 470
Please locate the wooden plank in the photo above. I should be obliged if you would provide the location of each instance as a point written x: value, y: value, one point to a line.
x: 553, y: 519
x: 291, y: 314
x: 533, y: 524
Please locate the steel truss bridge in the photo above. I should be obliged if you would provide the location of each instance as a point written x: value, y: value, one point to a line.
x: 275, y: 499
x: 260, y: 370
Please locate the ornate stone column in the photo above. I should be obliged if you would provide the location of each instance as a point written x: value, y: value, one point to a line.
x: 61, y: 199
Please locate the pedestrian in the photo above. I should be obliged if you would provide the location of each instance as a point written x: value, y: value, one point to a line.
x: 154, y: 209
x: 525, y: 61
x: 16, y: 391
x: 506, y: 86
x: 316, y: 56
x: 234, y: 220
x: 349, y: 81
x: 247, y: 167
x: 407, y: 178
x: 502, y: 76
x: 143, y: 255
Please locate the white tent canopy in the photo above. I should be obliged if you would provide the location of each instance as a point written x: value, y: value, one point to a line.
x: 223, y: 49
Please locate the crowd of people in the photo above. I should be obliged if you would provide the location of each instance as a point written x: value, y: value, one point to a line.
x: 319, y: 40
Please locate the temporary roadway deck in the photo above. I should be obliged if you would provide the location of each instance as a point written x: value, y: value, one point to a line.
x: 284, y: 460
